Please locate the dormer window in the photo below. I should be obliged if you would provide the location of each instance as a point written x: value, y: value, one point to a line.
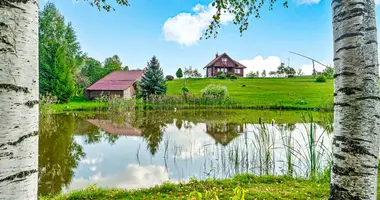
x: 224, y: 61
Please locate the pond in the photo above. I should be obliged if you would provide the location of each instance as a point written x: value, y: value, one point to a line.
x: 144, y: 148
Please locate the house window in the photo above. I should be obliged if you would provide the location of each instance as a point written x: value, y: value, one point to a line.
x: 237, y: 71
x: 209, y: 71
x: 224, y: 61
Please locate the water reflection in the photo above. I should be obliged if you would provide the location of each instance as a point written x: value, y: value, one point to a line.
x: 59, y: 154
x: 142, y: 149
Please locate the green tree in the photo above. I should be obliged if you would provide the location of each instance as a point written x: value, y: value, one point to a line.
x: 329, y: 72
x: 59, y: 56
x: 112, y: 64
x: 92, y: 69
x: 153, y: 82
x: 179, y: 73
x: 281, y: 69
x: 264, y: 73
x: 125, y: 68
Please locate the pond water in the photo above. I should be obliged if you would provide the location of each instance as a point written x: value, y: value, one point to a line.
x: 143, y: 149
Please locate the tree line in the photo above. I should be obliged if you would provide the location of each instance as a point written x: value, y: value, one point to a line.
x: 64, y: 70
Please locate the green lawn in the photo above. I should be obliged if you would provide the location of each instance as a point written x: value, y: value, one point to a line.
x: 267, y: 92
x: 77, y: 103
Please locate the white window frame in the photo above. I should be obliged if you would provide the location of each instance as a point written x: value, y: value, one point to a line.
x: 237, y: 71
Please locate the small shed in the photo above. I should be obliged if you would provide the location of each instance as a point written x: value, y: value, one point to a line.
x: 117, y: 83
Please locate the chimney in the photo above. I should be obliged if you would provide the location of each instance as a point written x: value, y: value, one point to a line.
x: 216, y: 55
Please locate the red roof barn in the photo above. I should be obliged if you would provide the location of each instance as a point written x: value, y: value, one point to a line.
x: 224, y: 63
x: 117, y: 83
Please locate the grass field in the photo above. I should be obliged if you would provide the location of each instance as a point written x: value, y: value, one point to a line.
x: 268, y: 92
x: 273, y: 93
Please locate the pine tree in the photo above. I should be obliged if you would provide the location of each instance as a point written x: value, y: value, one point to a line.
x: 179, y: 73
x: 59, y: 54
x: 153, y: 82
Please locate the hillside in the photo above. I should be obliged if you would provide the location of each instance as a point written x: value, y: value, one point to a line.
x: 267, y: 92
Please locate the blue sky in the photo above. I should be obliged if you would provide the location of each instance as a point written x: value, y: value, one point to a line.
x: 169, y: 29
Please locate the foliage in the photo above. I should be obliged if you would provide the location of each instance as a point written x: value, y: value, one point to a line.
x: 321, y: 78
x: 221, y: 75
x: 281, y: 69
x: 179, y: 73
x: 92, y: 69
x: 137, y: 88
x: 233, y: 76
x: 192, y: 73
x: 229, y: 74
x: 111, y: 64
x: 185, y: 90
x: 125, y: 68
x: 59, y: 54
x: 254, y: 187
x: 272, y: 73
x: 299, y: 72
x: 264, y: 73
x: 251, y: 75
x: 45, y: 101
x: 242, y: 12
x: 290, y: 71
x: 153, y: 81
x: 169, y: 77
x: 215, y: 91
x: 328, y: 72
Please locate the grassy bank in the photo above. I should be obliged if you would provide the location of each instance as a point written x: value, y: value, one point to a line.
x: 266, y: 92
x: 259, y: 93
x: 264, y: 187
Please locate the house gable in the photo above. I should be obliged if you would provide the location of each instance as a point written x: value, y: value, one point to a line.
x: 224, y: 60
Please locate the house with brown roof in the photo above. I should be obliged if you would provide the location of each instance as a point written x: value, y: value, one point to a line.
x: 224, y: 63
x: 117, y: 83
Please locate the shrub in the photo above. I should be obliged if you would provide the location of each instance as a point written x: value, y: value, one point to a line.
x: 221, y: 75
x: 229, y: 74
x: 321, y: 78
x: 233, y: 76
x: 215, y: 91
x: 185, y: 90
x: 169, y: 77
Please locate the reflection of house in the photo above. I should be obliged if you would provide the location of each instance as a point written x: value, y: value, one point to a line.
x: 117, y: 83
x: 224, y: 133
x: 114, y: 128
x: 224, y: 63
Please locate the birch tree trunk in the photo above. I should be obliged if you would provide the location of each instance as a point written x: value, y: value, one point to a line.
x: 356, y: 102
x: 18, y: 99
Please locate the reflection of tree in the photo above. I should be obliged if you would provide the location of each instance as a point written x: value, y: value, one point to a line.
x: 178, y: 123
x: 59, y: 154
x: 224, y: 133
x: 152, y: 130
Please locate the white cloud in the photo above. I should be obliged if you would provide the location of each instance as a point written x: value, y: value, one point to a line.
x: 377, y: 2
x: 307, y: 2
x: 132, y: 178
x: 187, y: 28
x: 97, y: 159
x: 307, y: 69
x: 259, y: 64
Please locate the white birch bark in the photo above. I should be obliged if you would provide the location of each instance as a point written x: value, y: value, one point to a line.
x: 18, y: 99
x: 356, y: 102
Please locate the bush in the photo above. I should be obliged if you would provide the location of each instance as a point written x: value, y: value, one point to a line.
x: 215, y: 91
x: 233, y: 76
x: 229, y: 74
x: 321, y: 78
x: 221, y: 75
x: 169, y: 77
